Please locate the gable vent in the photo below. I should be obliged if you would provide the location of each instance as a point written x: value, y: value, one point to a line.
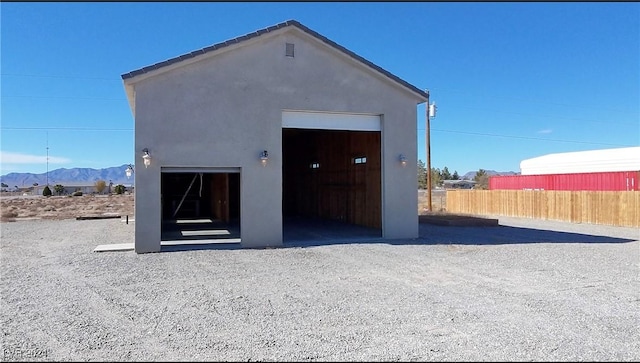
x: 289, y: 50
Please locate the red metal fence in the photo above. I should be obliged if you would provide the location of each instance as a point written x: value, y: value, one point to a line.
x: 601, y: 181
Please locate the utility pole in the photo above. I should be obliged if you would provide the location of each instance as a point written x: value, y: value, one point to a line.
x: 47, y: 158
x: 430, y: 111
x: 428, y: 142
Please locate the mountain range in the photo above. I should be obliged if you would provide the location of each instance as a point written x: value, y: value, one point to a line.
x: 116, y: 175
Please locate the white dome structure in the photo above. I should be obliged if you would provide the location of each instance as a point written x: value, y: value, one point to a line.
x: 605, y: 160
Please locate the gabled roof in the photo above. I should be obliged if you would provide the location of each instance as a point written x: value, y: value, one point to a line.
x: 260, y: 32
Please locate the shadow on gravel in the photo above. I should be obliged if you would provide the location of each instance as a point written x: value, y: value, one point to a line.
x: 312, y: 234
x: 431, y: 234
x: 201, y: 246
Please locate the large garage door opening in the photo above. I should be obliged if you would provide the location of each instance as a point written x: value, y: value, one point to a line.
x: 331, y: 184
x: 200, y: 207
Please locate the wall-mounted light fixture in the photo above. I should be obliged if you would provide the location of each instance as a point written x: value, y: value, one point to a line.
x: 264, y: 156
x: 146, y: 158
x: 403, y: 160
x: 129, y: 171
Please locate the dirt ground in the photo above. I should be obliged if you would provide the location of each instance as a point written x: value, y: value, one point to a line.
x: 525, y: 291
x: 438, y: 201
x: 16, y: 208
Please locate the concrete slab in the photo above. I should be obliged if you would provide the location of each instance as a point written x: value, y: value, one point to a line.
x: 460, y: 220
x: 206, y: 241
x: 302, y: 231
x: 130, y: 246
x: 199, y: 231
x: 83, y: 218
x: 114, y: 247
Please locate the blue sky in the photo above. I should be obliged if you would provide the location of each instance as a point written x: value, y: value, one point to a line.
x: 511, y: 81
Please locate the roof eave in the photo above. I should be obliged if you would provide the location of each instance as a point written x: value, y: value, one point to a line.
x: 423, y: 95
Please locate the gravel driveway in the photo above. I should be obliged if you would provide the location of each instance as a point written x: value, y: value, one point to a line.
x: 525, y: 291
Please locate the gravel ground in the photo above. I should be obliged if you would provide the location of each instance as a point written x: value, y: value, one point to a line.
x: 525, y: 291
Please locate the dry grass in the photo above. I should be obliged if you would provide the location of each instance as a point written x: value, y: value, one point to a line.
x: 14, y: 208
x: 438, y: 202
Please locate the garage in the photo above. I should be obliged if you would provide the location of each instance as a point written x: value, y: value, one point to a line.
x: 278, y: 125
x: 200, y: 205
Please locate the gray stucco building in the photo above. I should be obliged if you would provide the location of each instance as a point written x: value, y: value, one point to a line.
x: 276, y: 123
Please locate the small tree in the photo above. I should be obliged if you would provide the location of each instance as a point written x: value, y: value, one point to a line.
x: 58, y: 188
x: 455, y: 175
x: 100, y: 185
x: 46, y: 191
x: 482, y: 179
x: 422, y: 175
x: 436, y: 177
x: 445, y: 175
x: 119, y: 189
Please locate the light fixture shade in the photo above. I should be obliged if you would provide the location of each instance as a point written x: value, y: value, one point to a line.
x: 403, y: 159
x: 146, y: 158
x: 129, y: 171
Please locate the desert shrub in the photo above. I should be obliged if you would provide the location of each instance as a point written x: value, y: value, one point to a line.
x: 119, y: 189
x: 100, y: 185
x: 58, y: 188
x: 46, y: 191
x: 77, y: 193
x: 64, y: 202
x: 9, y: 214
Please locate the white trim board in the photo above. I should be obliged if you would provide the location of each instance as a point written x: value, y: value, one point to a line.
x: 330, y: 121
x: 197, y: 169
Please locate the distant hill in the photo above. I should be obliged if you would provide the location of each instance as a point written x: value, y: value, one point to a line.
x: 117, y: 176
x: 62, y: 175
x: 472, y: 174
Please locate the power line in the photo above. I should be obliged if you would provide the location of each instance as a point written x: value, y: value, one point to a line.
x: 419, y: 129
x: 63, y: 128
x: 528, y: 100
x: 550, y: 116
x: 68, y: 97
x: 55, y: 76
x: 462, y: 107
x: 526, y: 137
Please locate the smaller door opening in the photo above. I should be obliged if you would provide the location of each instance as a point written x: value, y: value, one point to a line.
x: 200, y: 207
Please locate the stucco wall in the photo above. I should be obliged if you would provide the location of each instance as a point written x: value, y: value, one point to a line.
x: 222, y: 111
